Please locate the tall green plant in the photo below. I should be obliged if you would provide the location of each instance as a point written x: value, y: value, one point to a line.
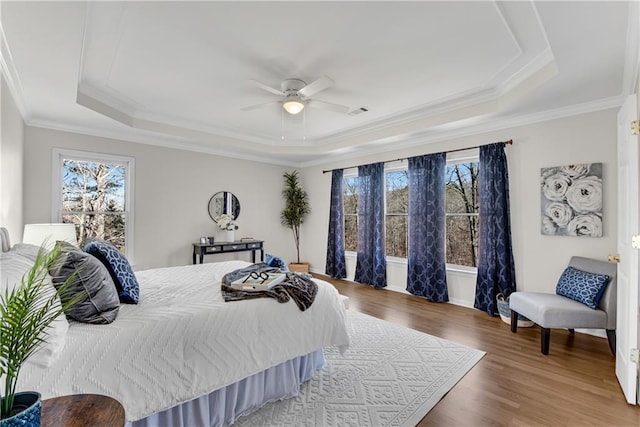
x: 296, y: 206
x: 26, y: 311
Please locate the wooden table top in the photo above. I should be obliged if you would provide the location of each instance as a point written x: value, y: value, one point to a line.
x: 81, y: 410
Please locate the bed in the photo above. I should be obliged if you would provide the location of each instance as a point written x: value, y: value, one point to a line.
x: 184, y: 357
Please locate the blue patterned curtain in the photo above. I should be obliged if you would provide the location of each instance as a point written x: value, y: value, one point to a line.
x: 496, y: 269
x: 335, y: 266
x: 371, y: 267
x: 427, y: 270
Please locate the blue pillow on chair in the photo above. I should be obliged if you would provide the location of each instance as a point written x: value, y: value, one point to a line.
x: 582, y: 286
x: 118, y: 267
x: 274, y: 261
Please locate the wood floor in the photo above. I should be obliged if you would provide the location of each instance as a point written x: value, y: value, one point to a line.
x: 514, y: 384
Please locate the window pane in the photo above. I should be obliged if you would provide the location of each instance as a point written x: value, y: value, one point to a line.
x: 93, y: 186
x: 462, y: 240
x: 397, y: 197
x: 110, y: 227
x: 350, y: 208
x: 93, y: 196
x: 462, y: 200
x: 397, y: 208
x: 396, y: 235
x: 462, y: 188
x: 351, y: 233
x: 350, y: 195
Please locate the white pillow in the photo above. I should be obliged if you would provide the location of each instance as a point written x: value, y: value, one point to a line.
x: 13, y: 266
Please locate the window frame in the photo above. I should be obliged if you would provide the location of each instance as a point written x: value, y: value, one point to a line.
x: 57, y: 159
x: 395, y: 167
x: 344, y: 215
x: 466, y: 156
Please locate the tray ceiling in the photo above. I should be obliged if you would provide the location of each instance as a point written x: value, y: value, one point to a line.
x: 178, y: 73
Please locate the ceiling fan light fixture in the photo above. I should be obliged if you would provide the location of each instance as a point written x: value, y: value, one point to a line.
x: 293, y: 106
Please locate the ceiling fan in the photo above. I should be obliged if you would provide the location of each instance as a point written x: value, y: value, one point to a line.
x: 296, y: 94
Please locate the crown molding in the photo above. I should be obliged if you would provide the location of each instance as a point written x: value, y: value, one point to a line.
x: 428, y: 137
x: 160, y: 141
x: 11, y: 76
x: 434, y: 136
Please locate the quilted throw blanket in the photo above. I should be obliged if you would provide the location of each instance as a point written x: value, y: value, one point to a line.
x: 295, y: 286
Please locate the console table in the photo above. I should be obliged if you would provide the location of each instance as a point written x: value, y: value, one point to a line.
x: 203, y: 249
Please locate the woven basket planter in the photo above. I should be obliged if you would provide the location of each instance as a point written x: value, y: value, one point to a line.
x: 505, y: 313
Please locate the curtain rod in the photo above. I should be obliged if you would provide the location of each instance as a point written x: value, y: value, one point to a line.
x: 509, y: 142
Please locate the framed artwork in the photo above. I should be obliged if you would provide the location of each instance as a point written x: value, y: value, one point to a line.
x: 572, y: 200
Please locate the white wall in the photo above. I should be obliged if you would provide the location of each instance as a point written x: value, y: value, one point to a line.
x: 11, y: 164
x: 172, y: 190
x: 539, y: 259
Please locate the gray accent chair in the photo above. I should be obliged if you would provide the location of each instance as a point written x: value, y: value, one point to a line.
x: 555, y: 311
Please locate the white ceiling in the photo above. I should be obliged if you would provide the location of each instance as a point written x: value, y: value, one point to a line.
x: 177, y: 73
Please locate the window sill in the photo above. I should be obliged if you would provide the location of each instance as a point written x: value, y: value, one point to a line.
x: 462, y: 269
x: 403, y: 261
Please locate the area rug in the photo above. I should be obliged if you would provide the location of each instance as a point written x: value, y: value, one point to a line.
x: 389, y: 376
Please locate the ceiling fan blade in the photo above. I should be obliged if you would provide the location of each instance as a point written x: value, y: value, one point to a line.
x: 337, y: 108
x: 266, y: 87
x: 314, y: 87
x: 256, y: 106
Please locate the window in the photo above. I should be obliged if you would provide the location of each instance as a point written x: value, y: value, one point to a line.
x: 350, y: 207
x: 396, y: 212
x: 461, y: 212
x: 461, y: 216
x: 94, y: 191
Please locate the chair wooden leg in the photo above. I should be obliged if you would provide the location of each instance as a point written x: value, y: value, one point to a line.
x: 514, y: 321
x: 611, y: 336
x: 545, y: 336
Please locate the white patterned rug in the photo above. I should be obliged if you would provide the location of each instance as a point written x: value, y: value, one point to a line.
x: 389, y: 376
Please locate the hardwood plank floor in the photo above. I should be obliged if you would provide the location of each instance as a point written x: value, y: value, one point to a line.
x: 514, y: 384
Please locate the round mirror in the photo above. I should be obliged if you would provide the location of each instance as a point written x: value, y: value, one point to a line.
x: 224, y: 202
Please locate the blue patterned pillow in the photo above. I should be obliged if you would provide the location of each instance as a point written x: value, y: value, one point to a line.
x: 582, y: 286
x: 119, y: 269
x: 274, y: 261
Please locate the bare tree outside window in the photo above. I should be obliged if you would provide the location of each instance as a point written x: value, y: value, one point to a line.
x: 396, y: 215
x: 93, y: 198
x: 462, y: 220
x: 350, y: 207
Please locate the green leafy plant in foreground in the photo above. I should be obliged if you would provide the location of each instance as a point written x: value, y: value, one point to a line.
x: 26, y: 312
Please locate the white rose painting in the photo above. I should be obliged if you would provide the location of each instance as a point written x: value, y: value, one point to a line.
x: 572, y: 200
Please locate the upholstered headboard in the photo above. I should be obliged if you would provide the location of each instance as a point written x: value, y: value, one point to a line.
x: 5, y: 242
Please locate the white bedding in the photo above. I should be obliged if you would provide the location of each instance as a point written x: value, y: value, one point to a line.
x: 183, y: 341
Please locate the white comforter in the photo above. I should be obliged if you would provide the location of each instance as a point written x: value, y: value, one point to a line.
x: 183, y: 341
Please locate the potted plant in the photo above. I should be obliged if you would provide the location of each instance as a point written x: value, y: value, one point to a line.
x: 296, y: 208
x: 26, y: 312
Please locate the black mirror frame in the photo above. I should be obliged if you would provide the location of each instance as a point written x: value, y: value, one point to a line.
x: 233, y: 202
